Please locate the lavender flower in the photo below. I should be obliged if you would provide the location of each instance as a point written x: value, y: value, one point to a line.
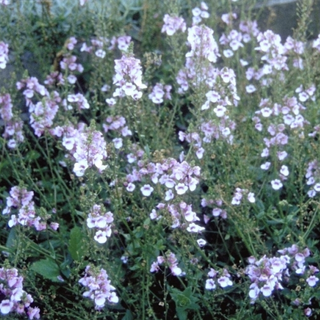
x: 20, y: 200
x: 99, y: 288
x: 202, y: 43
x: 4, y: 51
x: 14, y: 298
x: 128, y: 77
x: 100, y: 220
x: 173, y: 24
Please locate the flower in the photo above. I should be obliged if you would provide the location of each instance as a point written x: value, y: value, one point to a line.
x: 173, y: 24
x: 128, y: 77
x: 4, y: 52
x: 146, y: 190
x: 312, y: 281
x: 202, y: 43
x: 99, y: 287
x: 276, y: 184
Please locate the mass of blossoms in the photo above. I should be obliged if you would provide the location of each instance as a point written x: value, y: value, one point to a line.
x: 158, y: 161
x: 14, y: 299
x: 98, y: 286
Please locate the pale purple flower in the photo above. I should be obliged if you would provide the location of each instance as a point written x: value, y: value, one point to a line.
x: 4, y: 52
x: 202, y: 43
x: 228, y: 53
x: 101, y: 236
x: 308, y: 312
x: 210, y: 284
x: 117, y: 143
x: 266, y: 112
x: 254, y: 292
x: 201, y: 242
x: 282, y: 155
x: 181, y: 188
x: 224, y: 281
x: 251, y: 197
x: 316, y: 187
x: 220, y: 111
x: 265, y: 153
x: 146, y: 190
x: 266, y: 290
x: 312, y: 281
x: 99, y: 287
x: 284, y: 170
x: 250, y: 88
x: 173, y: 24
x: 276, y: 184
x: 130, y: 187
x: 194, y: 228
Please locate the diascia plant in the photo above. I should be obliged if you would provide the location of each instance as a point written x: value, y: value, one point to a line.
x: 158, y: 161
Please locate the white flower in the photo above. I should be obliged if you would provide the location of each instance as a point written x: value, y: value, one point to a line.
x: 312, y: 281
x: 284, y: 170
x: 146, y: 190
x: 276, y: 184
x: 251, y: 197
x: 210, y: 285
x: 201, y: 242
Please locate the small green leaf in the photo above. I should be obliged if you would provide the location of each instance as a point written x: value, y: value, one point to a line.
x: 128, y: 315
x: 11, y: 238
x: 76, y: 244
x: 182, y: 313
x: 47, y: 268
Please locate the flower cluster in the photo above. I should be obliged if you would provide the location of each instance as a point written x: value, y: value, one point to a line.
x: 4, y: 52
x: 313, y: 176
x: 181, y: 216
x: 21, y: 199
x: 274, y: 51
x: 99, y: 45
x: 200, y: 13
x: 202, y: 43
x: 43, y: 113
x: 31, y: 86
x: 235, y: 39
x: 266, y: 274
x: 13, y: 127
x: 174, y: 175
x: 14, y: 298
x: 99, y: 288
x: 78, y: 100
x: 223, y: 280
x: 223, y: 92
x: 69, y: 63
x: 86, y: 146
x: 160, y: 92
x: 128, y: 77
x: 118, y: 125
x: 100, y: 220
x: 171, y: 261
x: 173, y: 24
x: 6, y: 107
x: 278, y: 120
x: 216, y: 206
x: 238, y: 195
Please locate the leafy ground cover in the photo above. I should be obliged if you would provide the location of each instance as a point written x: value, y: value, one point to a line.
x: 159, y: 160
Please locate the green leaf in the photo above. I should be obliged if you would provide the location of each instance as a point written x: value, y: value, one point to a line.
x: 128, y: 315
x: 182, y: 313
x: 11, y: 238
x: 76, y: 244
x: 47, y: 268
